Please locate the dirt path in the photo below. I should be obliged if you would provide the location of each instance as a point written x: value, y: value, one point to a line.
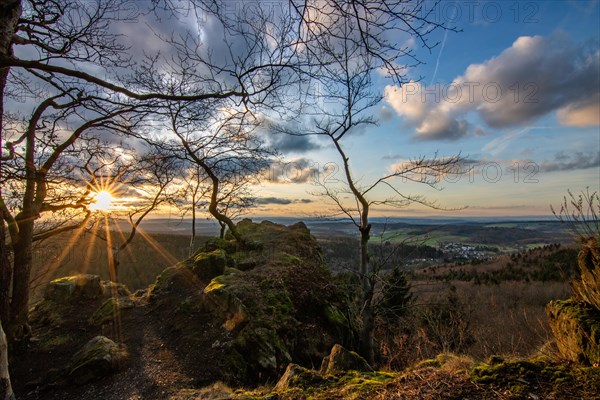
x: 153, y: 370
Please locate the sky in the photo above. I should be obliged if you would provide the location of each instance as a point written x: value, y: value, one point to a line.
x: 514, y: 89
x: 516, y: 92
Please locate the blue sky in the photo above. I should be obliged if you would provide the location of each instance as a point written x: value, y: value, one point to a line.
x: 526, y: 144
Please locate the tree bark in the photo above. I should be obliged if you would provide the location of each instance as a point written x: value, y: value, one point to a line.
x: 367, y: 313
x: 222, y: 230
x: 10, y: 11
x: 6, y: 392
x: 23, y: 258
x: 5, y: 274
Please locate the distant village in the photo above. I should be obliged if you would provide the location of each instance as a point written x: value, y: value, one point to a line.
x: 455, y: 251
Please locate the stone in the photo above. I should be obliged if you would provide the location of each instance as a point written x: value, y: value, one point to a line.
x: 111, y: 289
x: 78, y: 286
x: 297, y: 376
x: 340, y: 360
x: 208, y: 266
x: 106, y: 312
x: 97, y: 358
x: 576, y: 327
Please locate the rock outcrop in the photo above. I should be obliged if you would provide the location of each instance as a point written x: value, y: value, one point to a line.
x: 268, y: 302
x: 575, y: 322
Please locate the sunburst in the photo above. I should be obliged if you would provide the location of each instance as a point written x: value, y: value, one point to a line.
x: 103, y: 201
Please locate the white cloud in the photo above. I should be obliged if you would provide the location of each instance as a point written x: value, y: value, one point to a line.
x: 535, y: 76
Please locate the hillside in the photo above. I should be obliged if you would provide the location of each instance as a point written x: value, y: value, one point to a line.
x: 256, y: 321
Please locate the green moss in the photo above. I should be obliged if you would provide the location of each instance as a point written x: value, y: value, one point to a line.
x: 335, y: 316
x: 289, y: 259
x: 48, y: 313
x: 220, y: 244
x: 216, y: 284
x: 166, y: 276
x: 521, y: 377
x: 210, y: 265
x: 107, y: 311
x: 55, y: 341
x: 576, y: 327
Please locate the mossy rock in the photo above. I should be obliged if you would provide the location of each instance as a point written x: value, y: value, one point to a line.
x: 587, y: 287
x: 340, y: 360
x: 210, y: 265
x: 97, y: 358
x: 262, y: 347
x: 297, y: 376
x: 111, y: 289
x: 66, y: 289
x: 229, y: 246
x: 53, y: 342
x: 521, y: 378
x: 220, y: 300
x: 172, y: 280
x: 576, y: 327
x: 109, y: 309
x: 270, y: 298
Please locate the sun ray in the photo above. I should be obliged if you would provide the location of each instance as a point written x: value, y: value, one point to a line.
x: 113, y: 278
x: 71, y: 242
x: 90, y: 247
x: 167, y: 256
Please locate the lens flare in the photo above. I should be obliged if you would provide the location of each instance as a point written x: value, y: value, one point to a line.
x: 103, y: 201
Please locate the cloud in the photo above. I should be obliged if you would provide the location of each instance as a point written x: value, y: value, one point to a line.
x: 280, y: 201
x: 535, y: 76
x: 292, y: 144
x: 569, y: 162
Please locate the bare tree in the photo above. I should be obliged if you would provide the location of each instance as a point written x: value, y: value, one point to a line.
x: 349, y: 40
x: 58, y: 50
x: 227, y: 151
x: 195, y: 191
x: 39, y: 168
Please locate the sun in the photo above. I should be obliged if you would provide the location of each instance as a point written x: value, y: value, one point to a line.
x: 103, y: 202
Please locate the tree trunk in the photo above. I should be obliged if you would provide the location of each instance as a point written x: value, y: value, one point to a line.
x: 23, y: 258
x: 367, y: 313
x: 10, y: 11
x: 193, y: 238
x: 222, y: 231
x: 5, y: 274
x: 6, y: 392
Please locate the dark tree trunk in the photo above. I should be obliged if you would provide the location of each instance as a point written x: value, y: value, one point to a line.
x: 10, y: 11
x: 367, y: 313
x: 5, y: 275
x: 23, y: 258
x: 222, y: 231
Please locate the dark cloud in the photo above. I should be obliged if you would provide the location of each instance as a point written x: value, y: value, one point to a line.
x: 280, y: 201
x: 569, y: 162
x: 292, y: 144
